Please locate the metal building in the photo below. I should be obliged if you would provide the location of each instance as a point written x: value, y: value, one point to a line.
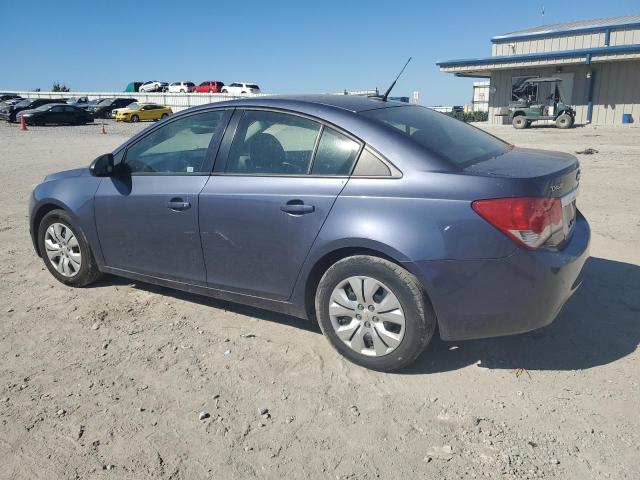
x: 597, y: 60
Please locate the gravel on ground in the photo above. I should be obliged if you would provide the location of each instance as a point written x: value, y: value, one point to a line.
x: 128, y: 380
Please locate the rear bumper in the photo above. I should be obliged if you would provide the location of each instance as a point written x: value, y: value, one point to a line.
x: 495, y: 297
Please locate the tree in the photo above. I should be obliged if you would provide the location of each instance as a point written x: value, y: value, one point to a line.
x: 60, y: 87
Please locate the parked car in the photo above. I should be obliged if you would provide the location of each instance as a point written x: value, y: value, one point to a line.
x: 10, y: 112
x: 133, y: 87
x: 153, y: 86
x: 142, y: 111
x: 241, y: 88
x: 379, y: 219
x: 78, y: 101
x: 8, y: 96
x: 181, y: 87
x: 104, y: 107
x: 55, y: 113
x: 10, y: 101
x: 210, y: 86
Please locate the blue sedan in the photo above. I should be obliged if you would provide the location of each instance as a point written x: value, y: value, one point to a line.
x: 379, y: 220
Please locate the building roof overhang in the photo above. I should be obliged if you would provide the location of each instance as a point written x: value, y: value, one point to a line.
x: 478, y: 66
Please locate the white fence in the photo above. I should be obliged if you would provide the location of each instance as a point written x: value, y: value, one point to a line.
x: 177, y: 101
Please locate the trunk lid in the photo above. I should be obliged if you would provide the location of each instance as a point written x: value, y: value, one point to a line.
x: 537, y: 173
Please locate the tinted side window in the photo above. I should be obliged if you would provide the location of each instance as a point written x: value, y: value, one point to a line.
x: 453, y: 140
x: 336, y: 154
x: 369, y: 165
x: 272, y: 143
x: 177, y: 147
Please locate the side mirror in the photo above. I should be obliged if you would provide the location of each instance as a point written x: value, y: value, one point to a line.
x: 102, y: 166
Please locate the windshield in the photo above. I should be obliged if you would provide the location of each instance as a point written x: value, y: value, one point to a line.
x: 253, y: 85
x: 133, y: 106
x: 24, y: 103
x: 44, y: 108
x: 451, y: 139
x: 106, y: 101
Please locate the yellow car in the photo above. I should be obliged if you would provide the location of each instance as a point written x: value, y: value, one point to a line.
x: 142, y: 111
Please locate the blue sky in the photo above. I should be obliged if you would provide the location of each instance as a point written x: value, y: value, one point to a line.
x: 284, y: 46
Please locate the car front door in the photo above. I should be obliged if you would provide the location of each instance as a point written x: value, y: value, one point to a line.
x: 57, y: 114
x: 262, y: 209
x: 147, y: 214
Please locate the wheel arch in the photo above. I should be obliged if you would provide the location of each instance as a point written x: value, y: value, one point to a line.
x: 324, y: 262
x: 39, y: 213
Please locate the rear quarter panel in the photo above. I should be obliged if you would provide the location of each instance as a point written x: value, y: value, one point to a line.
x: 426, y: 216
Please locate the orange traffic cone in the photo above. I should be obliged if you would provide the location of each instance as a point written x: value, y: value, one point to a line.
x: 103, y: 130
x: 23, y: 124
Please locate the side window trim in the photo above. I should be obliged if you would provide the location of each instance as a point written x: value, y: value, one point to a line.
x: 315, y: 148
x: 212, y: 149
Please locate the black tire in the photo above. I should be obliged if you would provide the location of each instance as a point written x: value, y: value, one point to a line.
x: 88, y: 271
x: 224, y: 90
x: 564, y: 121
x: 420, y: 320
x: 135, y: 118
x: 519, y: 122
x: 164, y: 115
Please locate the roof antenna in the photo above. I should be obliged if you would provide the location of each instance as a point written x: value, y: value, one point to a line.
x: 386, y: 94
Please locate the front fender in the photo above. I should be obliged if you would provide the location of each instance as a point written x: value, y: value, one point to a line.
x: 74, y: 195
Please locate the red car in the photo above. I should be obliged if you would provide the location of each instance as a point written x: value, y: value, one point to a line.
x: 210, y: 86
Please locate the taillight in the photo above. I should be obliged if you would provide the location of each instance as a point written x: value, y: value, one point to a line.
x: 529, y: 221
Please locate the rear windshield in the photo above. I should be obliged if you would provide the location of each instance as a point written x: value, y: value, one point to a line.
x: 253, y: 85
x: 451, y: 139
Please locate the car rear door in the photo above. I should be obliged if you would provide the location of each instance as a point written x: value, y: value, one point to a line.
x: 262, y: 209
x: 147, y: 217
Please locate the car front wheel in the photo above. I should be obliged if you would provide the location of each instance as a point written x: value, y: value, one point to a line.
x: 135, y: 118
x: 374, y: 312
x: 65, y: 251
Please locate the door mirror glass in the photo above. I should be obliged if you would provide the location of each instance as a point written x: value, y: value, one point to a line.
x: 102, y: 166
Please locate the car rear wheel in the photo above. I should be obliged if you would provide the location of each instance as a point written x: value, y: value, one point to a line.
x: 224, y: 90
x: 135, y: 118
x: 374, y: 312
x: 164, y: 115
x: 65, y: 251
x: 564, y: 121
x: 519, y: 122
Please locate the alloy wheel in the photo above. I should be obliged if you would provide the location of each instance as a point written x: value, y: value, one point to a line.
x: 367, y: 316
x: 63, y: 249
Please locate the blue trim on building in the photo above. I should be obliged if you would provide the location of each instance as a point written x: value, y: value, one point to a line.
x: 539, y: 56
x: 559, y: 33
x: 607, y: 37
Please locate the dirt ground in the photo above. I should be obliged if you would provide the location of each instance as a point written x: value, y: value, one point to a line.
x: 110, y: 381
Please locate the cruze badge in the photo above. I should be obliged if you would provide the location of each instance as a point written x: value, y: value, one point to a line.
x: 555, y: 188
